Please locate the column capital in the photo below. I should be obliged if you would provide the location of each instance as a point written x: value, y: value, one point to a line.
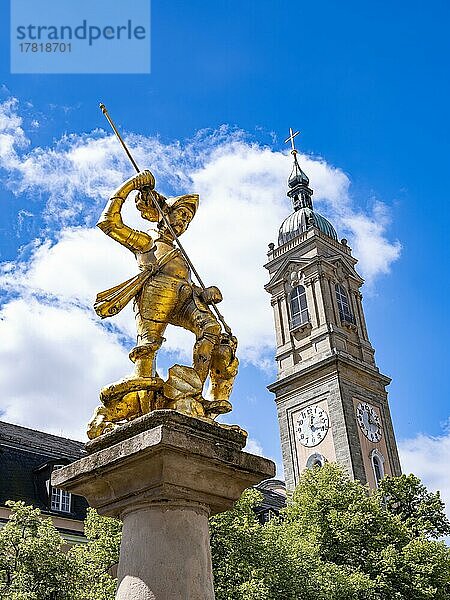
x: 164, y: 456
x: 276, y: 298
x: 310, y: 281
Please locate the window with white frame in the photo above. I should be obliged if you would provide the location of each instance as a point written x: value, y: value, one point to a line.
x: 345, y: 313
x: 377, y: 465
x: 298, y: 306
x: 60, y: 500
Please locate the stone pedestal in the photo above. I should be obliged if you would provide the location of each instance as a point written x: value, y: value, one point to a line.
x: 164, y: 474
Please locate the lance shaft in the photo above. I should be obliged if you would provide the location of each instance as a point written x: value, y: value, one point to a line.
x: 165, y: 219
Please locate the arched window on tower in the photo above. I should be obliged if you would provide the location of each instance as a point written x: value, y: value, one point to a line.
x: 315, y: 460
x: 377, y: 465
x: 298, y: 307
x: 345, y: 313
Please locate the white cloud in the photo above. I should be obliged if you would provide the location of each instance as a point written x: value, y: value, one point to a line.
x: 12, y: 136
x: 427, y: 457
x: 79, y: 171
x: 80, y: 263
x: 54, y: 360
x: 254, y: 447
x: 242, y: 189
x: 374, y: 251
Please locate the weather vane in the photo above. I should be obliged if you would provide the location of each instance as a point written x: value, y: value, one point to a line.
x: 291, y: 139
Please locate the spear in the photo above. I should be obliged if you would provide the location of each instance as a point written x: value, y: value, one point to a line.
x: 165, y: 219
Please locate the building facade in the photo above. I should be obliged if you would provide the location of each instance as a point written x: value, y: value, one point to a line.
x: 331, y: 397
x: 27, y: 459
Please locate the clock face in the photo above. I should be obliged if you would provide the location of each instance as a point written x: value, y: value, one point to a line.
x: 369, y: 421
x: 312, y: 426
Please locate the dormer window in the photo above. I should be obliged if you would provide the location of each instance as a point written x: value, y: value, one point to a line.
x: 60, y: 500
x: 345, y: 313
x: 298, y: 306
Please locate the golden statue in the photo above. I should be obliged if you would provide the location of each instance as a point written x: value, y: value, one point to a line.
x: 163, y: 293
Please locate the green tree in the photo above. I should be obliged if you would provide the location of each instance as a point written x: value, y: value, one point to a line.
x: 334, y: 541
x: 94, y: 560
x: 34, y: 565
x: 337, y: 541
x: 421, y: 511
x: 272, y: 561
x: 256, y: 562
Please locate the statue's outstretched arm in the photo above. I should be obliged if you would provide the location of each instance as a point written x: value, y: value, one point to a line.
x: 111, y: 223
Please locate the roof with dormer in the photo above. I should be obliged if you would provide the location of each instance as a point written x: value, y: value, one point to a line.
x: 27, y: 458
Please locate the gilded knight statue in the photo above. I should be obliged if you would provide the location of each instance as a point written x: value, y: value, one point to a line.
x: 163, y: 293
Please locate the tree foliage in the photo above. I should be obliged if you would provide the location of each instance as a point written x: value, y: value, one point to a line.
x: 421, y: 511
x: 35, y: 565
x: 93, y: 560
x: 334, y: 541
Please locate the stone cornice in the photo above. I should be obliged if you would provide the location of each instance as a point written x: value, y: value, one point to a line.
x: 336, y: 360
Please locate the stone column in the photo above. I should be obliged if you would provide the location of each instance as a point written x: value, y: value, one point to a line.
x: 163, y: 474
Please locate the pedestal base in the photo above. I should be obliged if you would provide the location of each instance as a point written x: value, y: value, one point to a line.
x: 163, y: 474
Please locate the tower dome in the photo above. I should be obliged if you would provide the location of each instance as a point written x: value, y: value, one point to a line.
x: 302, y: 219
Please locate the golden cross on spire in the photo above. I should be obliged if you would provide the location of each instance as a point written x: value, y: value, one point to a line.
x: 291, y: 139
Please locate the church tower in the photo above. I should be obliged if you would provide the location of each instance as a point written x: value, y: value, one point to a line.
x: 331, y: 398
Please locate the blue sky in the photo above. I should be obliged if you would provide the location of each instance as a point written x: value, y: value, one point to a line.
x: 368, y: 86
